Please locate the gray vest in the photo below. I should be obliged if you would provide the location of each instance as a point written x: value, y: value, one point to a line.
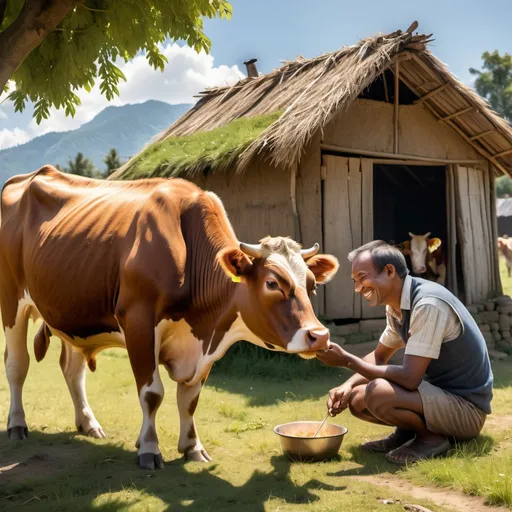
x: 463, y: 367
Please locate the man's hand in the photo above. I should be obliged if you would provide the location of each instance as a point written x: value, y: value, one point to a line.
x: 334, y: 356
x: 339, y: 399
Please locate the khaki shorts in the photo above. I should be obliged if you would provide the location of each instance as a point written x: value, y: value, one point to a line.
x: 449, y: 414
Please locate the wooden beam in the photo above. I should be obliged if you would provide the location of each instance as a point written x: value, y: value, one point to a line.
x: 394, y: 156
x: 503, y: 153
x: 465, y: 136
x: 456, y: 114
x: 386, y: 94
x: 428, y: 82
x: 431, y: 93
x: 396, y: 106
x: 481, y: 135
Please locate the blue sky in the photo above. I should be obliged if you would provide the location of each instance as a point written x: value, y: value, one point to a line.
x: 278, y: 30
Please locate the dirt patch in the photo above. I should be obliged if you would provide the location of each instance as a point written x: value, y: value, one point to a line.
x: 494, y: 422
x: 451, y: 500
x: 39, y: 464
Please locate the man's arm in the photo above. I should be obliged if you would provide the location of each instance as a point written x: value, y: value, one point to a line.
x: 380, y: 356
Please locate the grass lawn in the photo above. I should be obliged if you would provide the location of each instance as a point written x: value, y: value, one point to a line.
x: 243, y: 399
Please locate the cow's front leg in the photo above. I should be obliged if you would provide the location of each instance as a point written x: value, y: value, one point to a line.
x: 140, y: 342
x: 73, y: 367
x: 189, y: 443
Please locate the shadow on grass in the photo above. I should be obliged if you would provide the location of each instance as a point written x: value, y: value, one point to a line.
x: 68, y: 472
x: 372, y: 464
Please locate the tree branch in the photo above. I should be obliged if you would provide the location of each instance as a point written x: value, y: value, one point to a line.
x: 36, y: 20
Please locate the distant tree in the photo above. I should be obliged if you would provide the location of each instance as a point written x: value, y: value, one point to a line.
x: 495, y: 83
x: 503, y: 186
x: 52, y: 48
x: 112, y: 162
x: 82, y: 167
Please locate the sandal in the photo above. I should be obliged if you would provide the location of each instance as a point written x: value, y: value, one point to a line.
x: 395, y: 440
x: 413, y: 451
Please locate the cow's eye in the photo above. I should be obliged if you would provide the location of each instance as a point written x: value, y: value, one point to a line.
x: 272, y: 285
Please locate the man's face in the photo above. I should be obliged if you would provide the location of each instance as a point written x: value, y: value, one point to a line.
x: 373, y: 285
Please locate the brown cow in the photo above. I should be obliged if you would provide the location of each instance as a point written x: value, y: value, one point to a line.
x: 505, y: 248
x: 152, y: 266
x: 427, y: 255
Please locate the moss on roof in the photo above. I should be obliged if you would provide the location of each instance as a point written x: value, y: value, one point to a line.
x: 190, y: 154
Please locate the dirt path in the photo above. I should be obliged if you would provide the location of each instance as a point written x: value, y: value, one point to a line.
x: 451, y: 500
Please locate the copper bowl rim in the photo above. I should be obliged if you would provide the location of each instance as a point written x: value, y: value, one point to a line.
x: 275, y: 429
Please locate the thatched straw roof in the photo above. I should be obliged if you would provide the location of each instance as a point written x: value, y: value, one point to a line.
x: 311, y: 91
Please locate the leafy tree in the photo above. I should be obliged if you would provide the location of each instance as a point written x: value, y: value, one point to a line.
x: 82, y: 167
x: 112, y: 162
x: 495, y: 84
x: 51, y: 48
x: 503, y: 186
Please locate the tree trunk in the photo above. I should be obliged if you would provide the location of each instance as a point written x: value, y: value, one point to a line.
x: 36, y: 20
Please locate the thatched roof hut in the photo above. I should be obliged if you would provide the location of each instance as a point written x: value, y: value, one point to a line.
x: 371, y: 141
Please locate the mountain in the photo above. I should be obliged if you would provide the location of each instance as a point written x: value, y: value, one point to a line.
x: 127, y: 128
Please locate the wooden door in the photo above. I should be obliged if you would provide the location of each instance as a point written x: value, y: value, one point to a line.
x: 347, y: 224
x: 474, y: 233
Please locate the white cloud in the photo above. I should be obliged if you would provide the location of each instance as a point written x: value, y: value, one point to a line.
x: 14, y: 137
x: 3, y: 115
x: 185, y: 74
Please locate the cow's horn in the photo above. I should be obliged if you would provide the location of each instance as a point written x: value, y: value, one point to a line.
x: 308, y: 253
x: 412, y: 235
x: 427, y: 234
x: 253, y: 250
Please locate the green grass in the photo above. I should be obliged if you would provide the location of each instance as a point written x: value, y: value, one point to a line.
x: 200, y: 151
x: 249, y: 391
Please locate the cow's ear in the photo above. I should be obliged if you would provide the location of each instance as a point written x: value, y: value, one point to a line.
x: 433, y: 244
x: 234, y: 262
x: 323, y: 266
x: 405, y: 248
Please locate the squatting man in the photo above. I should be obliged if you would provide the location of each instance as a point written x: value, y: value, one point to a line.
x: 443, y: 389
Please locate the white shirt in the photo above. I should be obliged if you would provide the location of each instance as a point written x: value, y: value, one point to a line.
x: 432, y: 323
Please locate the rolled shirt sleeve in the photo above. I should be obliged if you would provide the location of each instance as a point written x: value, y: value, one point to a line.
x: 390, y: 337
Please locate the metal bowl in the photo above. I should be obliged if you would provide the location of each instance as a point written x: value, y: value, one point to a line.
x: 298, y: 444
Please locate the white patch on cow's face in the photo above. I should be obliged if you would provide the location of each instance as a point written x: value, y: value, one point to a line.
x: 301, y: 343
x: 419, y: 250
x: 294, y: 266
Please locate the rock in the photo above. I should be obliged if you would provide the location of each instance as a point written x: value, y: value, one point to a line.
x: 472, y: 309
x: 496, y: 335
x: 485, y: 327
x: 489, y: 338
x: 506, y: 335
x: 505, y: 321
x: 376, y: 335
x: 503, y: 300
x: 341, y: 330
x: 415, y: 508
x: 504, y: 346
x: 495, y: 326
x: 480, y: 307
x: 354, y: 338
x: 490, y: 306
x: 496, y: 355
x: 372, y: 325
x: 478, y: 319
x: 505, y: 309
x: 491, y: 316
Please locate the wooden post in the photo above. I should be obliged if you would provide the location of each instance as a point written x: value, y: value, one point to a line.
x: 293, y: 199
x: 396, y: 100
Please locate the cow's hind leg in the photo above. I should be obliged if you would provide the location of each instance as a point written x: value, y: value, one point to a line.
x: 140, y: 343
x: 16, y: 368
x: 73, y: 366
x: 189, y: 442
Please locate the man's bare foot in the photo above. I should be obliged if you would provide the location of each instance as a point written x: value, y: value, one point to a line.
x: 394, y: 440
x: 419, y: 448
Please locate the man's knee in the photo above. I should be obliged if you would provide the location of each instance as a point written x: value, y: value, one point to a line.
x: 356, y: 402
x: 378, y: 396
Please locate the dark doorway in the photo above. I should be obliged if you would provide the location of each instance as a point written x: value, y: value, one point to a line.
x: 409, y: 199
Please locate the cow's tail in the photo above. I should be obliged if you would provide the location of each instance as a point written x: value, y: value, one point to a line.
x: 42, y: 342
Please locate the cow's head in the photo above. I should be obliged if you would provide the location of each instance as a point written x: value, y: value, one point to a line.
x: 277, y: 279
x: 418, y: 248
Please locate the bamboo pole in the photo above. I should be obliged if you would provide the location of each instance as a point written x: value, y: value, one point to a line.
x: 431, y: 93
x: 396, y: 106
x: 386, y: 94
x: 395, y: 156
x: 503, y: 153
x: 481, y: 135
x: 456, y: 114
x: 293, y: 200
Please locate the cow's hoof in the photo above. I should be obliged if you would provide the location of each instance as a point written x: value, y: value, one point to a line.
x: 198, y: 456
x: 97, y: 433
x: 150, y: 461
x: 17, y: 433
